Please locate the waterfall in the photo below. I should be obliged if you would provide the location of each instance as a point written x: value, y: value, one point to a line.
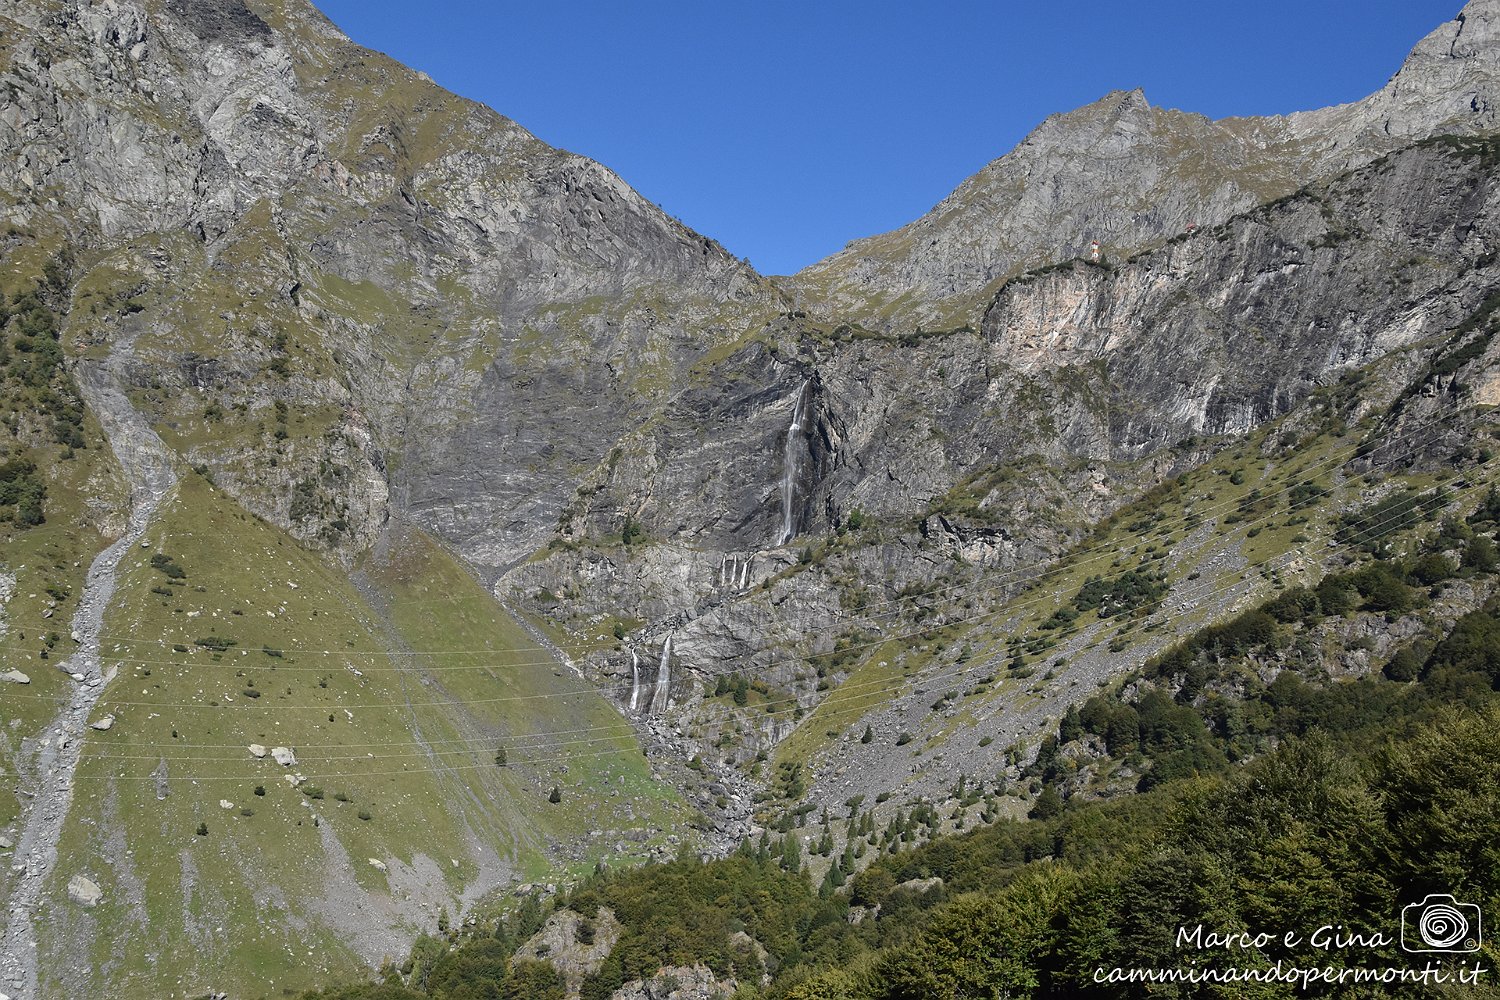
x: 663, y: 679
x: 789, y: 469
x: 734, y: 574
x: 635, y: 680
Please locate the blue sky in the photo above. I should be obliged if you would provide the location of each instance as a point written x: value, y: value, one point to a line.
x: 785, y: 129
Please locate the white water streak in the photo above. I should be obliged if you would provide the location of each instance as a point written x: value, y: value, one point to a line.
x: 635, y: 681
x: 790, y: 456
x: 663, y: 680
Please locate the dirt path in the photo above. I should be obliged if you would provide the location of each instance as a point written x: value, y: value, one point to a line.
x: 56, y: 752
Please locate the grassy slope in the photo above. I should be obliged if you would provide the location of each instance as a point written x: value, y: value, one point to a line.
x: 239, y: 908
x: 556, y: 729
x: 83, y: 493
x: 55, y: 554
x: 1279, y: 544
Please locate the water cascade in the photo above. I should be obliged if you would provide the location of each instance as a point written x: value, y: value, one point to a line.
x: 733, y: 573
x: 635, y: 680
x: 789, y: 469
x: 663, y: 679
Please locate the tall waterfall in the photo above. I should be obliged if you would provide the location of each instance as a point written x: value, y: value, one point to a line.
x: 663, y: 679
x: 635, y: 680
x: 789, y: 469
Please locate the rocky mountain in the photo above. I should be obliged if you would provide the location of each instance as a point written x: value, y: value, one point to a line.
x: 292, y: 274
x: 401, y: 479
x: 1083, y: 385
x: 415, y: 250
x: 1127, y: 174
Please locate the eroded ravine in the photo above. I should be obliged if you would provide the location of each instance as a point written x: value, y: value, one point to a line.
x: 54, y: 755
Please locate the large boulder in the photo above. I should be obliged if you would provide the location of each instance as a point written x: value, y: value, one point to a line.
x: 84, y: 891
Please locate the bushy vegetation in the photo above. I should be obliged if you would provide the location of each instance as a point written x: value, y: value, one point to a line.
x: 1313, y: 833
x: 1126, y: 592
x: 41, y: 412
x: 1269, y: 796
x: 1238, y: 688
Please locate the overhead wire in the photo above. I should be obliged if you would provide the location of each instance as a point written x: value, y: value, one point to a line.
x: 987, y: 586
x: 839, y: 697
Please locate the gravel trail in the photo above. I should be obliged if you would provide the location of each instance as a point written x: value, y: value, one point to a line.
x: 147, y: 466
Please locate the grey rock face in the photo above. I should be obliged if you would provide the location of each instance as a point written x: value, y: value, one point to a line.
x: 573, y: 944
x: 1079, y: 366
x: 480, y: 312
x: 1223, y: 331
x: 677, y: 982
x: 1126, y: 174
x: 1071, y: 396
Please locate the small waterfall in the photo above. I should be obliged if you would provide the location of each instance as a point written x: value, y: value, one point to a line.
x: 734, y: 574
x: 635, y: 680
x: 789, y: 468
x: 663, y: 679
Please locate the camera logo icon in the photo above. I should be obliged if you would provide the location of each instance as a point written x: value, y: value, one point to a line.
x: 1441, y: 923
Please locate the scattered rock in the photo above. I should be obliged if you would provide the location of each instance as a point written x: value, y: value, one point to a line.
x: 256, y: 750
x: 920, y: 885
x: 104, y: 724
x: 84, y: 891
x: 6, y: 843
x: 15, y: 677
x: 284, y: 756
x: 377, y: 864
x: 678, y: 982
x: 159, y: 776
x: 575, y: 945
x: 225, y: 804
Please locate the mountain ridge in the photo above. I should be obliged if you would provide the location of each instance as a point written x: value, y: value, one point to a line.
x: 480, y: 456
x: 1062, y: 186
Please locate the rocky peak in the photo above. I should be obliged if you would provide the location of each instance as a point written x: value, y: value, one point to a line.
x: 1127, y: 174
x: 478, y: 295
x: 1452, y: 77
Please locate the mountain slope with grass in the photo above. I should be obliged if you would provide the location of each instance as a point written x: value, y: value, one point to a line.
x: 1249, y: 372
x: 215, y: 862
x: 1286, y: 782
x: 406, y: 523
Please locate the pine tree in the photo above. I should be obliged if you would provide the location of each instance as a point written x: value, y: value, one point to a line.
x: 791, y: 855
